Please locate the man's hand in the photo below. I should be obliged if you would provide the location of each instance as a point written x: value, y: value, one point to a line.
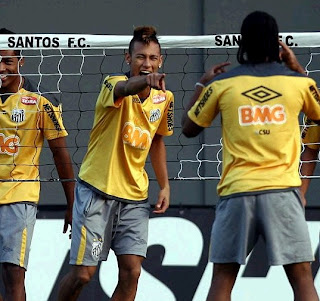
x: 213, y: 72
x: 156, y: 81
x: 67, y: 221
x: 163, y: 201
x: 289, y: 58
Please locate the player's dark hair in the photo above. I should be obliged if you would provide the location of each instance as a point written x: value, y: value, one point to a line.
x: 259, y: 39
x: 7, y: 31
x: 145, y: 35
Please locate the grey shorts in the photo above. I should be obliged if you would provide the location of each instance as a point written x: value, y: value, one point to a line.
x: 16, y: 229
x: 100, y: 224
x: 278, y: 217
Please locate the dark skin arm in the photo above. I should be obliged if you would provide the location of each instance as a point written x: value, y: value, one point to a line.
x: 289, y: 58
x: 307, y: 169
x: 140, y: 85
x: 159, y: 163
x: 189, y: 128
x: 309, y: 154
x: 63, y: 164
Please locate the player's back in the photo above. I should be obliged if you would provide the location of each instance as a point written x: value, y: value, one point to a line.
x: 260, y: 105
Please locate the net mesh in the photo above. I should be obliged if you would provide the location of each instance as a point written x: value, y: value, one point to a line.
x: 72, y: 68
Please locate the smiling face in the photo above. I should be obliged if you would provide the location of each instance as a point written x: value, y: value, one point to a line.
x: 144, y: 58
x: 9, y: 71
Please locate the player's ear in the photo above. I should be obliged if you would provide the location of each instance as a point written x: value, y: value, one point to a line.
x: 21, y: 62
x: 128, y: 58
x: 160, y: 61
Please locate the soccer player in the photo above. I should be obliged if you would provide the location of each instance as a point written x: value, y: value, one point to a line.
x: 27, y: 118
x: 311, y: 138
x: 259, y: 102
x: 133, y: 113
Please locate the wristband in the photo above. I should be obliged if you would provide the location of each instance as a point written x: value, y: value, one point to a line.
x: 199, y: 84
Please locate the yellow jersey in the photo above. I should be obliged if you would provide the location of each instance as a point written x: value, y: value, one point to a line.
x: 26, y: 118
x: 311, y: 135
x: 259, y: 106
x: 120, y: 140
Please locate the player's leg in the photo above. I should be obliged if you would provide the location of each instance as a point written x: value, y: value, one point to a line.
x: 223, y: 279
x: 130, y: 245
x: 72, y: 284
x: 92, y: 215
x: 287, y: 240
x: 301, y: 280
x: 234, y: 233
x: 129, y: 272
x: 13, y: 280
x: 16, y: 230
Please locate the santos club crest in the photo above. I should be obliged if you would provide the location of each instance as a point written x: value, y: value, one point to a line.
x: 18, y: 115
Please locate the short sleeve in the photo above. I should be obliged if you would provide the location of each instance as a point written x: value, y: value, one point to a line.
x: 52, y: 124
x: 167, y: 122
x: 205, y: 108
x: 106, y: 96
x: 311, y: 135
x: 311, y: 106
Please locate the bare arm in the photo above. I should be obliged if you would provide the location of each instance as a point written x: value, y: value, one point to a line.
x: 289, y: 58
x: 159, y: 163
x: 189, y: 128
x: 64, y: 167
x: 136, y: 84
x: 307, y: 169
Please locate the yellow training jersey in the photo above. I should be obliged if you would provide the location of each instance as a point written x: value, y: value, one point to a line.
x: 120, y: 140
x: 259, y: 106
x: 311, y: 135
x: 26, y: 118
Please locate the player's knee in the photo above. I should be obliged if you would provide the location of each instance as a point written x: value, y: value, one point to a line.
x: 129, y: 274
x: 82, y: 277
x: 81, y: 280
x: 299, y: 272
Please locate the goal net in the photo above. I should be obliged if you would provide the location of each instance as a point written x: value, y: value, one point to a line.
x: 72, y: 67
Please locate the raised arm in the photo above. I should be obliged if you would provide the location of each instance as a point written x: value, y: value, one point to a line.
x: 159, y: 163
x: 136, y: 84
x: 65, y: 171
x: 189, y: 128
x: 289, y: 58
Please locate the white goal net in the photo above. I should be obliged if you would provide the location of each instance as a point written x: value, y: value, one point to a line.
x: 72, y: 68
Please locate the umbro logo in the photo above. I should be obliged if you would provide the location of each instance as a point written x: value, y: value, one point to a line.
x: 261, y: 94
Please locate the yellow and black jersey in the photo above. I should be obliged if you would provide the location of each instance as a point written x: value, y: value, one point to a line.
x: 259, y: 106
x: 311, y: 135
x: 26, y: 118
x: 120, y: 140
